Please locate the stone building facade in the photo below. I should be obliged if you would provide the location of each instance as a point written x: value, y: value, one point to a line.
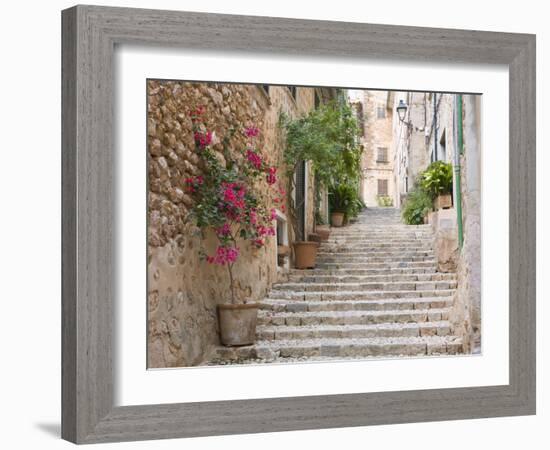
x: 376, y: 137
x: 183, y: 290
x: 429, y: 132
x: 410, y: 150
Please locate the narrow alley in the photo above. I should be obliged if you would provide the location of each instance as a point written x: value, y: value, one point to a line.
x: 375, y: 292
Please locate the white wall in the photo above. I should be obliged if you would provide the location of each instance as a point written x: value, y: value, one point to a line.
x: 30, y: 225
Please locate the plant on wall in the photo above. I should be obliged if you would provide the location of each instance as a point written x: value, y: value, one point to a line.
x: 227, y: 196
x: 437, y: 179
x: 326, y: 136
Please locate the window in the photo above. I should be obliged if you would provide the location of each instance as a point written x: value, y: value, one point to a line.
x: 382, y: 155
x: 380, y: 112
x: 382, y: 188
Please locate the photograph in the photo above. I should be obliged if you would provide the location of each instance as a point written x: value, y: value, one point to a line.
x: 292, y: 224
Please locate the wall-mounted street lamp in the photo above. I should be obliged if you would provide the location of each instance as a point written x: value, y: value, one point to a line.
x: 401, y: 110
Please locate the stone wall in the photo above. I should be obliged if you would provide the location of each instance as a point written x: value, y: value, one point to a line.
x: 444, y: 225
x: 183, y: 290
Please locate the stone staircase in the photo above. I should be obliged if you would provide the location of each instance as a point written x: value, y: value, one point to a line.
x: 375, y: 292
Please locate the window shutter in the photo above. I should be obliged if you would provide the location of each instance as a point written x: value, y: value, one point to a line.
x: 382, y: 155
x: 300, y: 199
x: 382, y: 187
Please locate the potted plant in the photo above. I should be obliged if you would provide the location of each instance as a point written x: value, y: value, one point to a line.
x: 229, y: 204
x: 437, y: 181
x: 326, y: 137
x: 344, y: 203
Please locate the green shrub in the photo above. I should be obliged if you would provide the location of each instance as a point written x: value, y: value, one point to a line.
x: 328, y: 138
x: 437, y: 179
x: 384, y: 200
x: 417, y: 204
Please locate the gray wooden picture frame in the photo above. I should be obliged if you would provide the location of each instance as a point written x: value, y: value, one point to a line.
x: 90, y: 34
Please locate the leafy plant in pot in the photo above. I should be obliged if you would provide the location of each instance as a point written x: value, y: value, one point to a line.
x: 228, y: 203
x: 326, y: 137
x: 344, y: 203
x: 437, y: 182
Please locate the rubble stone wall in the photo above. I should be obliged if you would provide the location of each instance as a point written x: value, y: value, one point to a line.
x: 183, y: 290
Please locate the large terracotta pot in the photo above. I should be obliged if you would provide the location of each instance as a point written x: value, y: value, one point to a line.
x: 238, y: 323
x: 305, y: 254
x: 337, y: 219
x: 443, y: 201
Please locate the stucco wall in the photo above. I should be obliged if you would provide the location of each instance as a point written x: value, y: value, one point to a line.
x: 378, y: 132
x: 467, y: 310
x: 183, y: 291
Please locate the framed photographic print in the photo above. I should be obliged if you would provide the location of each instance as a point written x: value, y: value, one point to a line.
x: 267, y: 230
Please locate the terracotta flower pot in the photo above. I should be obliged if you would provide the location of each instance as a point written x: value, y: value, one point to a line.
x: 443, y: 201
x: 337, y: 219
x: 283, y: 250
x: 305, y: 254
x: 323, y: 231
x: 238, y: 323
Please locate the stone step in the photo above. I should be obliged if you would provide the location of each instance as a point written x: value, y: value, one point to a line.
x: 356, y: 305
x: 370, y: 286
x: 382, y: 228
x: 352, y: 317
x: 364, y: 240
x: 314, y: 278
x: 385, y: 230
x: 375, y: 264
x: 368, y: 234
x: 384, y: 247
x: 356, y: 295
x: 363, y: 272
x: 271, y: 333
x: 373, y: 259
x: 322, y: 253
x: 273, y: 351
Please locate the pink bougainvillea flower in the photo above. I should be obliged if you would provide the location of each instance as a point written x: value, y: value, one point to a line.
x: 259, y: 242
x: 251, y: 131
x: 192, y: 184
x: 195, y: 114
x: 271, y: 175
x: 233, y: 198
x: 253, y: 217
x: 273, y: 214
x: 231, y: 254
x: 254, y: 159
x: 224, y: 230
x: 189, y: 185
x: 203, y: 139
x: 224, y: 255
